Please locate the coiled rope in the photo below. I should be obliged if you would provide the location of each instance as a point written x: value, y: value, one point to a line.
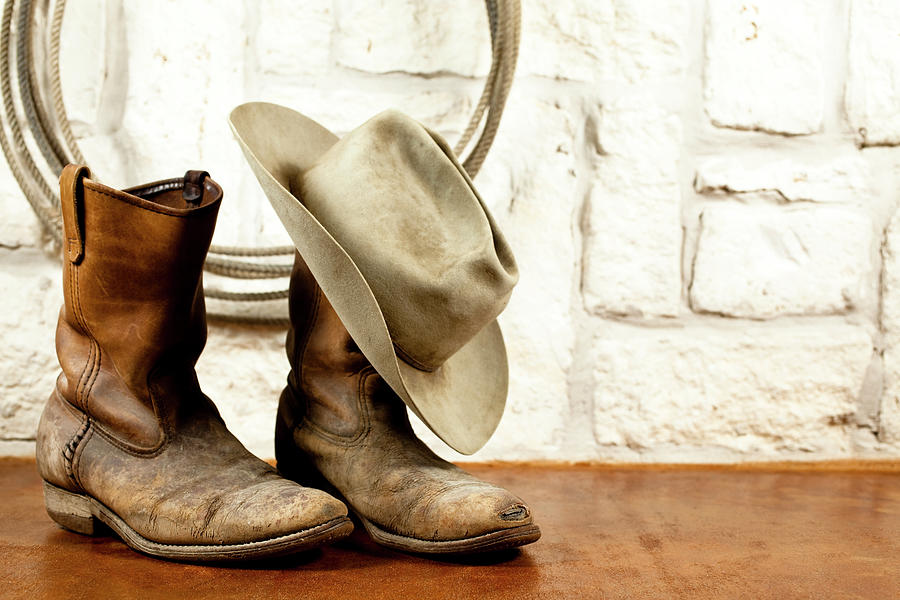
x: 34, y: 116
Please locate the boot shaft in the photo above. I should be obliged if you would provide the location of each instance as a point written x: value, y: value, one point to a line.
x: 331, y: 384
x: 133, y: 321
x: 341, y: 427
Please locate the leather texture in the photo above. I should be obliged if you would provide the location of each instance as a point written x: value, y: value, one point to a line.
x: 341, y: 426
x: 127, y: 423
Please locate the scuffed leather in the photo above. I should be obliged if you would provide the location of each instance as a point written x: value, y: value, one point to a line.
x: 127, y: 423
x: 339, y: 420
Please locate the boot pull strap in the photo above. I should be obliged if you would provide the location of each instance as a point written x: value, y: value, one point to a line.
x: 193, y: 187
x: 71, y: 198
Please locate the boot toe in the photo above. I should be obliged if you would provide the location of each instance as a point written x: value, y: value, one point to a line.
x: 471, y: 510
x: 276, y: 508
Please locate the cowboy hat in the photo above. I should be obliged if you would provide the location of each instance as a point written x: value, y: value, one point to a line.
x: 404, y: 249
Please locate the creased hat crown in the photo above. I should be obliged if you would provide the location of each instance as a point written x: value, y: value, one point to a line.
x: 392, y: 194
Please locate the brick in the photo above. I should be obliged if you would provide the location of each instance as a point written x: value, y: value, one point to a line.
x: 28, y: 365
x: 641, y: 41
x: 633, y: 238
x: 873, y: 79
x: 175, y: 111
x: 757, y: 390
x: 414, y: 36
x: 19, y: 226
x: 84, y: 61
x: 762, y: 70
x: 889, y: 417
x: 765, y: 261
x: 294, y: 41
x: 243, y: 370
x: 794, y: 174
x: 342, y: 109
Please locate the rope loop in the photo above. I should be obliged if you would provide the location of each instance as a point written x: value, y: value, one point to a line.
x: 34, y: 86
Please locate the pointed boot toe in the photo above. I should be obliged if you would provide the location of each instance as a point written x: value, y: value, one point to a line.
x: 468, y: 517
x: 477, y: 508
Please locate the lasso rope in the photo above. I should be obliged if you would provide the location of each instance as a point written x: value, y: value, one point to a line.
x: 29, y: 106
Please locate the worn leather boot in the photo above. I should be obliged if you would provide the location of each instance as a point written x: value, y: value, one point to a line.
x: 127, y: 438
x: 340, y: 426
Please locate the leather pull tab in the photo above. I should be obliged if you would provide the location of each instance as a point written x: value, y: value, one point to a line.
x: 71, y: 201
x: 193, y: 186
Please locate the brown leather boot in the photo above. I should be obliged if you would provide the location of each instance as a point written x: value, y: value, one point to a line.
x: 127, y: 437
x: 341, y: 427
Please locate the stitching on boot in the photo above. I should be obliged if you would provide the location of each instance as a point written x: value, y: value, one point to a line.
x: 79, y: 451
x: 76, y: 304
x: 83, y: 377
x: 88, y: 373
x: 93, y: 353
x: 79, y: 383
x: 92, y: 379
x: 118, y: 444
x: 71, y: 447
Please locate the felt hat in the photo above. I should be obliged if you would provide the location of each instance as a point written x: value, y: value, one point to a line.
x: 404, y: 249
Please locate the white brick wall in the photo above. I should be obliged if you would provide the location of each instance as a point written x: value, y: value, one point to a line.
x: 701, y: 196
x: 765, y: 64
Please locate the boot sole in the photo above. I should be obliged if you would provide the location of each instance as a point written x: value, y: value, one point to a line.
x: 488, y: 542
x: 85, y: 515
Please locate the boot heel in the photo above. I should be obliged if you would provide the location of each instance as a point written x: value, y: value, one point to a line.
x: 71, y: 511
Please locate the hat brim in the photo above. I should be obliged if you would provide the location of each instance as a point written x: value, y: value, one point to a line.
x: 462, y: 400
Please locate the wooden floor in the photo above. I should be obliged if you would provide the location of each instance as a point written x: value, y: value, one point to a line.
x: 608, y: 533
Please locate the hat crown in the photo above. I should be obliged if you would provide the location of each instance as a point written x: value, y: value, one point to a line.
x: 392, y: 194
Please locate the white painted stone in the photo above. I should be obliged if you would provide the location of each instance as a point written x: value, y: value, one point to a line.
x: 23, y: 448
x: 633, y: 240
x: 837, y: 175
x: 83, y: 62
x: 764, y: 65
x: 342, y: 109
x: 294, y: 41
x: 620, y: 40
x: 243, y: 370
x: 889, y: 417
x: 873, y: 80
x: 183, y: 80
x: 19, y: 226
x: 757, y: 390
x: 150, y: 91
x: 28, y: 366
x: 529, y: 182
x: 414, y: 36
x: 109, y: 160
x: 764, y: 261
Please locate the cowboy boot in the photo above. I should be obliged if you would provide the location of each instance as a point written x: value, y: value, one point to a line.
x: 340, y: 426
x: 127, y: 437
